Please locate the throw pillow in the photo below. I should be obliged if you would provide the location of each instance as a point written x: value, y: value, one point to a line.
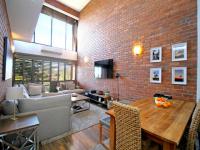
x: 8, y: 105
x: 70, y: 85
x: 25, y: 91
x: 36, y: 84
x: 63, y: 86
x: 35, y: 90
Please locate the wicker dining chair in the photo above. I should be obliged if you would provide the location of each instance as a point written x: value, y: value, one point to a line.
x: 190, y: 135
x: 193, y: 129
x: 128, y: 129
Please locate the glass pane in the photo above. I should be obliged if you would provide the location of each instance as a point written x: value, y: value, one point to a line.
x: 27, y: 70
x: 18, y: 70
x: 58, y: 33
x: 74, y: 72
x: 46, y: 71
x: 43, y: 30
x: 37, y: 74
x: 69, y: 37
x: 47, y: 86
x: 68, y: 69
x: 61, y: 71
x: 54, y: 71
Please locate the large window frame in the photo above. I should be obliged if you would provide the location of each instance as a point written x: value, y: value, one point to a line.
x: 42, y: 60
x: 68, y: 21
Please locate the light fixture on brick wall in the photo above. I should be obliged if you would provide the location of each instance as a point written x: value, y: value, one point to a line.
x: 137, y: 49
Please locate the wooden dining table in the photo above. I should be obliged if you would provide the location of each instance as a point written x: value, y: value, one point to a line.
x: 162, y: 125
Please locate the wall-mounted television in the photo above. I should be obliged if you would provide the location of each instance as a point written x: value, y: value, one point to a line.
x: 103, y: 69
x: 7, y: 60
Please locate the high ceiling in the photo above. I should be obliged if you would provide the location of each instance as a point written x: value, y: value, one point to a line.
x: 77, y: 5
x: 23, y: 16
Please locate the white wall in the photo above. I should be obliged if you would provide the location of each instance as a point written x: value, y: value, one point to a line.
x: 43, y: 50
x: 198, y: 50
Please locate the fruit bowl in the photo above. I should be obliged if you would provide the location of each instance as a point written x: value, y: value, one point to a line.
x: 162, y: 102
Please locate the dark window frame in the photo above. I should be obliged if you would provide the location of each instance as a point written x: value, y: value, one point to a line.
x: 67, y: 20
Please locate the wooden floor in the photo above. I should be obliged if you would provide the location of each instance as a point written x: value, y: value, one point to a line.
x: 83, y: 140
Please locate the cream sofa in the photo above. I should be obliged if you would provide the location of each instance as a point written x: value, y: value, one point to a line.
x: 54, y: 113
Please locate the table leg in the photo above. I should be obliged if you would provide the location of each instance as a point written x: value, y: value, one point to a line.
x: 112, y: 133
x: 169, y: 146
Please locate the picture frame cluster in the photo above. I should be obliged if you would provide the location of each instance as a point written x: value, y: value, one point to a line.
x: 179, y: 74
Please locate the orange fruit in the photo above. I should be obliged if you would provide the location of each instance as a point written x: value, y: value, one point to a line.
x: 169, y: 103
x: 166, y: 104
x: 158, y: 105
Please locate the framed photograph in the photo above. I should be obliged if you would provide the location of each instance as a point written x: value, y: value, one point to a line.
x: 156, y: 54
x: 179, y: 75
x: 155, y: 75
x: 179, y: 52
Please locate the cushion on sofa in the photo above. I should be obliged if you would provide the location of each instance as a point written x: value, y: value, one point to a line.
x: 27, y: 105
x: 35, y: 90
x: 78, y: 91
x: 25, y: 91
x: 36, y: 84
x: 7, y: 107
x: 70, y: 85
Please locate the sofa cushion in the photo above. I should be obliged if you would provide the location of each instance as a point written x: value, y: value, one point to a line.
x: 32, y: 104
x: 63, y: 86
x: 36, y: 84
x: 70, y: 85
x: 25, y: 91
x: 78, y: 91
x: 7, y: 107
x: 35, y: 90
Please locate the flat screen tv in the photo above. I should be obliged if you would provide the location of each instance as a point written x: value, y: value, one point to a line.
x: 7, y: 60
x: 103, y: 69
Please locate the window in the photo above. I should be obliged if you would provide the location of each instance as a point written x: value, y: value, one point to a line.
x: 37, y: 73
x: 18, y: 70
x: 54, y: 71
x: 68, y: 71
x: 61, y: 71
x: 43, y: 30
x: 69, y: 37
x: 27, y: 70
x: 55, y: 29
x: 58, y: 33
x: 42, y: 71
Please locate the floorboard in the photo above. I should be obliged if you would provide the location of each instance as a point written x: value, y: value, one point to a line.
x: 83, y: 140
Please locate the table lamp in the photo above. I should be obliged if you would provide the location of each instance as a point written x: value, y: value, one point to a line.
x: 14, y: 93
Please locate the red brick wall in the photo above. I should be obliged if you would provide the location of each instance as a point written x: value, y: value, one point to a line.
x: 107, y: 29
x: 4, y: 31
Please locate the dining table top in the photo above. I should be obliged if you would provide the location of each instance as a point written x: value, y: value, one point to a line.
x: 167, y: 124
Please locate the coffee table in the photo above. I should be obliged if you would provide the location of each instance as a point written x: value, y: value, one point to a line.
x: 80, y: 107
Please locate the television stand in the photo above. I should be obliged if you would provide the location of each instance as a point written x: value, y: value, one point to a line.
x: 98, y: 99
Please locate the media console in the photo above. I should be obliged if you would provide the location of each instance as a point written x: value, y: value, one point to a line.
x: 99, y: 99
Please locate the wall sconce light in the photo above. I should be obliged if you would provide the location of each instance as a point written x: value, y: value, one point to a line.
x: 86, y: 59
x: 137, y: 49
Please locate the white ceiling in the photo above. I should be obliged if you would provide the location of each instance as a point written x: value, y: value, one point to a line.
x: 23, y: 16
x: 77, y: 5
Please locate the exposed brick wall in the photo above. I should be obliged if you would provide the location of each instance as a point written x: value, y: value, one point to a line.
x: 4, y: 31
x: 108, y: 30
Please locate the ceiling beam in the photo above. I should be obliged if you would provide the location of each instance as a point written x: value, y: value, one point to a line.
x: 63, y: 7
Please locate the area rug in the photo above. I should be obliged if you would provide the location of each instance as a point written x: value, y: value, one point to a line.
x: 86, y: 119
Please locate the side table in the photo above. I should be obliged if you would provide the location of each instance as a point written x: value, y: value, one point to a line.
x: 25, y: 127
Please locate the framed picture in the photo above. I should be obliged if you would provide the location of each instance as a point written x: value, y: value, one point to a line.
x: 156, y: 54
x: 179, y: 75
x: 179, y: 52
x: 155, y: 75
